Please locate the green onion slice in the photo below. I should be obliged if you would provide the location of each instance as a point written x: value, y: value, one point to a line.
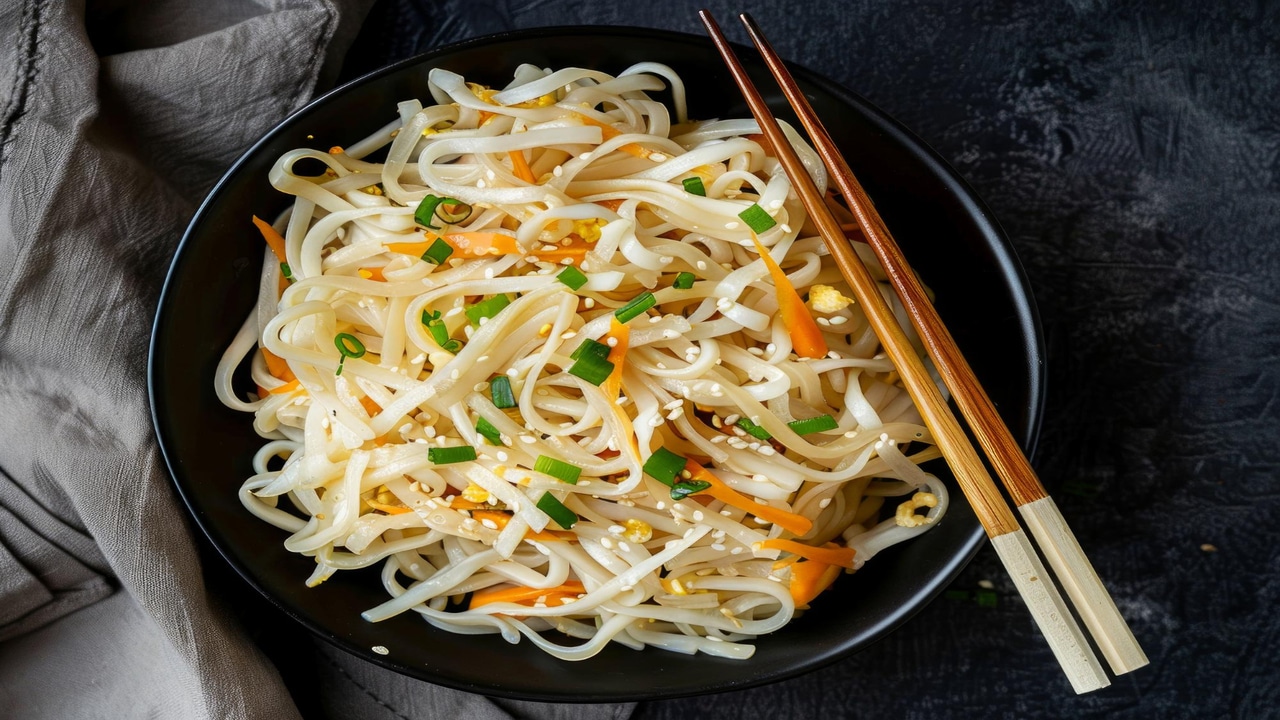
x: 558, y: 469
x: 664, y: 466
x: 753, y: 429
x: 685, y: 488
x: 592, y: 368
x: 349, y: 345
x: 450, y: 455
x: 439, y: 332
x: 563, y: 516
x: 286, y: 271
x: 813, y: 425
x: 757, y: 219
x: 684, y: 281
x: 488, y: 432
x: 591, y: 347
x: 453, y: 211
x: 694, y: 186
x: 635, y: 308
x: 438, y: 252
x: 500, y: 391
x: 573, y: 277
x: 446, y: 209
x: 487, y: 308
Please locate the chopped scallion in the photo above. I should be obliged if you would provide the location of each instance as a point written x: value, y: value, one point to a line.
x: 813, y: 425
x: 350, y: 347
x: 664, y: 466
x: 753, y: 429
x: 286, y: 271
x: 446, y: 209
x: 573, y: 277
x: 684, y: 281
x: 592, y: 368
x: 438, y: 252
x: 487, y: 308
x: 450, y: 455
x: 591, y: 347
x: 488, y: 431
x: 563, y: 516
x: 500, y: 391
x: 558, y: 469
x: 694, y: 186
x: 439, y: 332
x: 453, y: 211
x: 685, y: 488
x: 635, y: 308
x: 757, y: 219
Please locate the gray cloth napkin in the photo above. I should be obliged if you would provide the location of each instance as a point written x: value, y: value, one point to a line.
x: 115, y: 119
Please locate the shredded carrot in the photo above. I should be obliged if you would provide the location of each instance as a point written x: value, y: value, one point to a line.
x: 611, y: 204
x: 466, y: 244
x: 498, y: 517
x: 523, y: 594
x: 797, y: 524
x: 809, y: 578
x: 388, y: 509
x: 273, y: 238
x: 285, y: 388
x: 806, y: 336
x: 370, y: 406
x: 608, y: 132
x: 617, y: 355
x: 373, y: 273
x: 521, y: 166
x: 831, y: 554
x: 277, y: 366
x: 461, y: 503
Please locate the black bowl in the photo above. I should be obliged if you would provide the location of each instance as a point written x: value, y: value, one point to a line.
x: 946, y: 231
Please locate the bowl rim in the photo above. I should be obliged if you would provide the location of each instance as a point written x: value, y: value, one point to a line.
x: 1006, y: 264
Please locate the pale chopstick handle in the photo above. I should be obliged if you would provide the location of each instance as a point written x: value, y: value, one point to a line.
x: 1050, y: 612
x: 1081, y: 581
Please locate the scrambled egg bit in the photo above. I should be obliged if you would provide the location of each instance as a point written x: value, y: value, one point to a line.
x: 826, y: 299
x: 477, y: 494
x: 588, y: 230
x: 906, y: 515
x: 637, y: 531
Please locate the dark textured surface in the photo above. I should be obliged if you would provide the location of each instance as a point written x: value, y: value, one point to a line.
x: 1132, y: 155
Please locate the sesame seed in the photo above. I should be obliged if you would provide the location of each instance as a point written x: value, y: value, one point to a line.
x: 454, y: 375
x: 557, y: 171
x: 823, y: 321
x: 719, y: 547
x: 701, y: 265
x: 731, y: 226
x: 612, y: 342
x: 786, y: 228
x: 606, y: 542
x: 381, y: 650
x: 623, y: 546
x: 657, y: 157
x: 589, y: 303
x: 528, y: 439
x: 568, y: 334
x: 824, y: 502
x: 839, y: 320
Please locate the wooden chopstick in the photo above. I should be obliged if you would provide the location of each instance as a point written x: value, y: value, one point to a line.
x: 1050, y: 529
x: 1011, y: 544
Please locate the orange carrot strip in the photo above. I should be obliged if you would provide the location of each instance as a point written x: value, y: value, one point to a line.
x: 372, y: 273
x: 809, y: 578
x: 276, y: 365
x: 521, y: 167
x: 461, y: 503
x: 611, y: 204
x: 523, y: 594
x: 617, y: 355
x: 498, y: 517
x: 830, y: 553
x: 370, y: 406
x: 608, y: 132
x: 806, y: 337
x: 388, y: 509
x: 272, y: 237
x: 287, y: 387
x: 797, y: 524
